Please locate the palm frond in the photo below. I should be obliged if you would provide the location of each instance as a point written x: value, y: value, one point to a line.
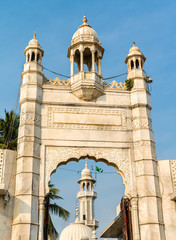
x: 57, y: 210
x: 52, y: 232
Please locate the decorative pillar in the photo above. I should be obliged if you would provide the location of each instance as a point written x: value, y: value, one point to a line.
x: 135, y: 219
x: 41, y: 217
x: 99, y: 66
x: 93, y: 61
x: 81, y: 60
x: 72, y: 64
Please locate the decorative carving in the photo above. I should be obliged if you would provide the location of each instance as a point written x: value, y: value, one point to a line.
x: 29, y: 139
x: 117, y: 157
x: 142, y: 123
x: 173, y: 170
x: 83, y: 110
x: 1, y: 164
x: 30, y: 118
x: 58, y: 82
x: 115, y: 85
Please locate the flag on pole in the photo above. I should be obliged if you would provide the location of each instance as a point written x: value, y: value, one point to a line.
x: 99, y: 169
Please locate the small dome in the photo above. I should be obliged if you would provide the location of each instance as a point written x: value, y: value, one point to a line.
x: 34, y: 41
x: 134, y: 51
x: 134, y: 48
x: 76, y: 231
x: 85, y: 33
x: 86, y: 174
x: 34, y: 44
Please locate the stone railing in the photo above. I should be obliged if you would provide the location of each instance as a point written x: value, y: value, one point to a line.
x: 108, y: 85
x: 1, y: 165
x: 115, y: 85
x: 86, y: 193
x: 58, y: 82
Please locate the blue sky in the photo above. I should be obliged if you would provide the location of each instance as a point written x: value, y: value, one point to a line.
x: 151, y: 24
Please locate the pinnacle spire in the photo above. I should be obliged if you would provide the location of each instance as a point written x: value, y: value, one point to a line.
x: 84, y: 19
x: 77, y: 213
x: 34, y: 35
x: 134, y: 43
x: 86, y: 164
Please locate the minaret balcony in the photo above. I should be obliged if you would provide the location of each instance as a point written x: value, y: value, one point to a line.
x: 87, y: 85
x: 91, y: 223
x: 82, y: 194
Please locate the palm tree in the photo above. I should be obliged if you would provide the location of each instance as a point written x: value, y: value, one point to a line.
x: 9, y: 130
x: 54, y: 209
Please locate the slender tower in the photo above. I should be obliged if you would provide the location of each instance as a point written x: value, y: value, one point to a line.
x: 25, y: 218
x: 86, y: 196
x: 149, y: 197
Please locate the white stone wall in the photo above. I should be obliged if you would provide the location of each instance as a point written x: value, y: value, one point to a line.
x: 167, y: 184
x: 8, y: 157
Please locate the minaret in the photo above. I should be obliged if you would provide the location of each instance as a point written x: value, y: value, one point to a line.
x: 25, y: 220
x: 149, y: 198
x: 86, y: 51
x: 86, y: 197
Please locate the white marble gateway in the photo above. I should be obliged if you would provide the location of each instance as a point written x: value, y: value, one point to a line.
x: 85, y: 116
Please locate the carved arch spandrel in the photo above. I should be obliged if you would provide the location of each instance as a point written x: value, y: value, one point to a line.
x: 119, y: 158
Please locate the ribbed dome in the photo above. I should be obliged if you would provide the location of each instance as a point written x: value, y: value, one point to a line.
x: 34, y: 42
x: 85, y: 33
x: 76, y: 231
x: 134, y: 51
x: 86, y: 174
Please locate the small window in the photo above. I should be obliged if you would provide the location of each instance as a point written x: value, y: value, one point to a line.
x: 33, y: 57
x: 38, y: 57
x: 137, y: 64
x: 84, y: 217
x: 132, y: 64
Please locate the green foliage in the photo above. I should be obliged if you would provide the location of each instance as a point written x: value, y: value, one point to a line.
x: 9, y: 130
x: 56, y: 210
x: 129, y: 84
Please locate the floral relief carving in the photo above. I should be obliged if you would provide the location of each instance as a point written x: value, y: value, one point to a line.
x: 1, y: 164
x: 117, y: 157
x: 173, y: 170
x: 30, y: 118
x: 142, y: 123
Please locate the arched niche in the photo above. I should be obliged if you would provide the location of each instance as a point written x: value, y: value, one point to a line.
x: 118, y: 158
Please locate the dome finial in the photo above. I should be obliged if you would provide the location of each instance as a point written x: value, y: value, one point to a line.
x: 84, y: 19
x: 86, y: 164
x: 134, y: 43
x: 77, y: 210
x: 34, y: 35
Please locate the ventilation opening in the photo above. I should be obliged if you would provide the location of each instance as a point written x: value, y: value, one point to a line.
x: 137, y: 64
x: 87, y: 60
x: 33, y: 57
x: 77, y: 61
x: 132, y: 64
